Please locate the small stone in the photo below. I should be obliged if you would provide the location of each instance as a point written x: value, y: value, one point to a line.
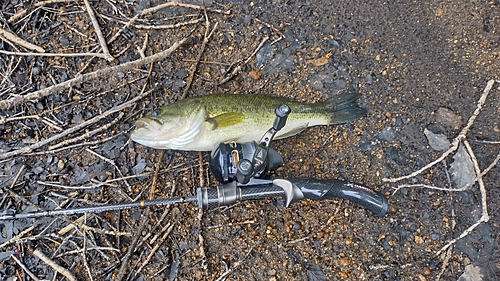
x: 448, y: 118
x: 36, y: 70
x: 37, y: 170
x: 419, y: 240
x: 437, y: 142
x: 255, y: 74
x: 344, y: 261
x: 387, y: 134
x: 60, y: 165
x: 321, y: 61
x: 421, y: 277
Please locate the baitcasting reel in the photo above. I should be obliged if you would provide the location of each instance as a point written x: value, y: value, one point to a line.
x: 248, y: 163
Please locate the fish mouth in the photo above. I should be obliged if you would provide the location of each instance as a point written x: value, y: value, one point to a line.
x: 149, y: 124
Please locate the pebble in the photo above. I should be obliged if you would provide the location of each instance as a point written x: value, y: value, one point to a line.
x: 344, y: 261
x: 438, y: 142
x: 426, y: 271
x: 419, y: 240
x: 36, y: 70
x: 37, y: 170
x: 448, y: 118
x: 39, y: 106
x: 387, y: 134
x: 60, y: 165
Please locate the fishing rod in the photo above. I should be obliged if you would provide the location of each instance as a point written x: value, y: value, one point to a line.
x: 243, y: 179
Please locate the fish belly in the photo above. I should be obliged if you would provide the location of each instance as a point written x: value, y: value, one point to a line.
x: 248, y: 131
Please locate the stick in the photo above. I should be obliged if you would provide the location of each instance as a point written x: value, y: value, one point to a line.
x: 456, y: 141
x: 239, y: 67
x: 54, y: 54
x: 54, y: 265
x: 98, y: 32
x: 238, y: 263
x: 29, y: 149
x: 131, y: 248
x: 18, y: 237
x: 159, y: 7
x: 200, y: 53
x: 99, y: 74
x: 25, y: 268
x: 11, y: 37
x: 167, y: 229
x: 87, y: 134
x: 112, y: 163
x: 175, y: 3
x: 199, y: 218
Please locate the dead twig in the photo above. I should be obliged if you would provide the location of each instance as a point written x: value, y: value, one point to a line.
x: 87, y: 134
x: 29, y: 149
x: 112, y: 163
x: 167, y: 26
x: 238, y: 263
x: 18, y: 237
x: 99, y: 74
x: 453, y: 224
x: 230, y: 224
x: 206, y: 38
x: 456, y: 141
x: 167, y: 229
x: 160, y: 7
x: 484, y: 213
x: 48, y: 2
x: 25, y: 268
x: 54, y: 54
x: 237, y: 69
x: 199, y: 219
x: 479, y: 175
x: 185, y: 5
x: 98, y: 31
x: 12, y: 38
x: 66, y: 273
x: 132, y: 246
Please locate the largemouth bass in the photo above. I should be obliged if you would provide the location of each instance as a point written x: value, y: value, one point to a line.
x: 202, y: 123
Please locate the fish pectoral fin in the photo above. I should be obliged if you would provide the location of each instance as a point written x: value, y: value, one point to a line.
x: 226, y: 120
x: 292, y: 132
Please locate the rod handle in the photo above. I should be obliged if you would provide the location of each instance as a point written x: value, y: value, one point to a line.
x: 316, y: 189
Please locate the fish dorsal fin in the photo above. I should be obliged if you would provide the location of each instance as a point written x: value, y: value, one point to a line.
x: 292, y: 132
x: 226, y: 119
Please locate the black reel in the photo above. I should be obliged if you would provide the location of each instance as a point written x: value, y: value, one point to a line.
x: 247, y: 162
x: 224, y: 160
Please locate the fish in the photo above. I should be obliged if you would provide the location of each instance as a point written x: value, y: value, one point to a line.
x: 202, y: 123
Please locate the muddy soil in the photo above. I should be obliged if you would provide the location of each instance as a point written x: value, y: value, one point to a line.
x: 418, y: 65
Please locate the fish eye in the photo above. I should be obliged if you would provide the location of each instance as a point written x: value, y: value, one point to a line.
x: 156, y: 112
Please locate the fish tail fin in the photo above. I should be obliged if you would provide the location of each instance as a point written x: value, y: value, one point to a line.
x: 343, y: 108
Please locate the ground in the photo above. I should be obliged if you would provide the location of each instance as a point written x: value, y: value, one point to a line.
x: 417, y: 65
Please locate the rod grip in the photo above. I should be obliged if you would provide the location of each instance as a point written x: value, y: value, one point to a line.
x: 316, y: 189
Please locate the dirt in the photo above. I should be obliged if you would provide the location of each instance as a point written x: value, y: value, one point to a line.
x: 417, y: 65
